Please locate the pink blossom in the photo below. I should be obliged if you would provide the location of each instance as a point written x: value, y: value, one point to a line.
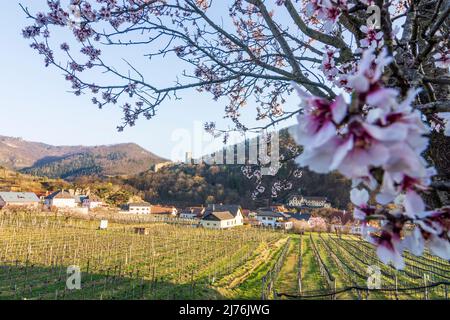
x: 327, y: 10
x: 446, y: 117
x: 442, y: 59
x: 369, y: 71
x: 373, y: 38
x: 414, y: 243
x: 318, y: 123
x: 434, y: 227
x: 390, y: 248
x: 328, y: 66
x: 364, y: 148
x: 360, y: 197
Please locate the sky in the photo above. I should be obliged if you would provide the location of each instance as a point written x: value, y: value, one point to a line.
x: 36, y: 104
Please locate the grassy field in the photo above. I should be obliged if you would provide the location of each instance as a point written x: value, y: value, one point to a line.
x: 182, y: 262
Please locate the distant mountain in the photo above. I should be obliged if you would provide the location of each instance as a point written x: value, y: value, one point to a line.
x: 73, y: 161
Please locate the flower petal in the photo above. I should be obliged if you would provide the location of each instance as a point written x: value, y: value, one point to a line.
x: 413, y: 204
x: 359, y: 197
x: 339, y: 109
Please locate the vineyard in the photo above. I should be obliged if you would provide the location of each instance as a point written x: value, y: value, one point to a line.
x: 327, y: 266
x: 173, y: 261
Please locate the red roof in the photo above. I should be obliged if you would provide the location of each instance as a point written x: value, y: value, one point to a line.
x: 161, y: 209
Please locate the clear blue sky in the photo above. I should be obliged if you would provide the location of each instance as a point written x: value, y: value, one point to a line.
x: 37, y: 106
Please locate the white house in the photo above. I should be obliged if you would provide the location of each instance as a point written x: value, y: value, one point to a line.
x: 61, y: 199
x: 18, y: 199
x: 139, y: 208
x: 222, y: 217
x: 274, y: 220
x: 92, y: 202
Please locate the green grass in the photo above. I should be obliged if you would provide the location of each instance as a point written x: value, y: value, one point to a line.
x: 287, y: 281
x: 312, y: 280
x: 251, y: 288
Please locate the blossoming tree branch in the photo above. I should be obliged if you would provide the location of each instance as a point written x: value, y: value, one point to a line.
x: 374, y: 88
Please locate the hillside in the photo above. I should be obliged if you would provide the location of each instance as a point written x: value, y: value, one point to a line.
x: 112, y: 190
x: 68, y: 162
x: 15, y: 181
x: 184, y: 184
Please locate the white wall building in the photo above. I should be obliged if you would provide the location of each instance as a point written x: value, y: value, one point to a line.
x: 222, y: 217
x: 92, y: 202
x: 274, y: 220
x: 139, y: 208
x: 61, y: 199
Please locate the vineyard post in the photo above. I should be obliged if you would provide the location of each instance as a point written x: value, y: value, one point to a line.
x: 334, y: 290
x: 192, y: 283
x: 26, y: 269
x: 300, y: 266
x: 396, y: 286
x: 142, y: 288
x: 263, y: 296
x: 425, y: 283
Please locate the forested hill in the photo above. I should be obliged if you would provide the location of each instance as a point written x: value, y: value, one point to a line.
x: 68, y: 162
x: 198, y: 184
x: 184, y: 184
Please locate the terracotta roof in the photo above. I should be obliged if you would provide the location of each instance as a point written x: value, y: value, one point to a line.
x: 161, y: 209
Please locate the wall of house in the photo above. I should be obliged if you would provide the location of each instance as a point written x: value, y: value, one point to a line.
x: 210, y: 224
x: 63, y: 203
x: 267, y: 221
x: 223, y: 224
x: 139, y: 210
x: 22, y: 204
x: 91, y: 204
x: 288, y: 225
x: 239, y: 219
x: 188, y: 215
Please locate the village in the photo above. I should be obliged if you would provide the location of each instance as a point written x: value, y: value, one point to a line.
x: 298, y: 214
